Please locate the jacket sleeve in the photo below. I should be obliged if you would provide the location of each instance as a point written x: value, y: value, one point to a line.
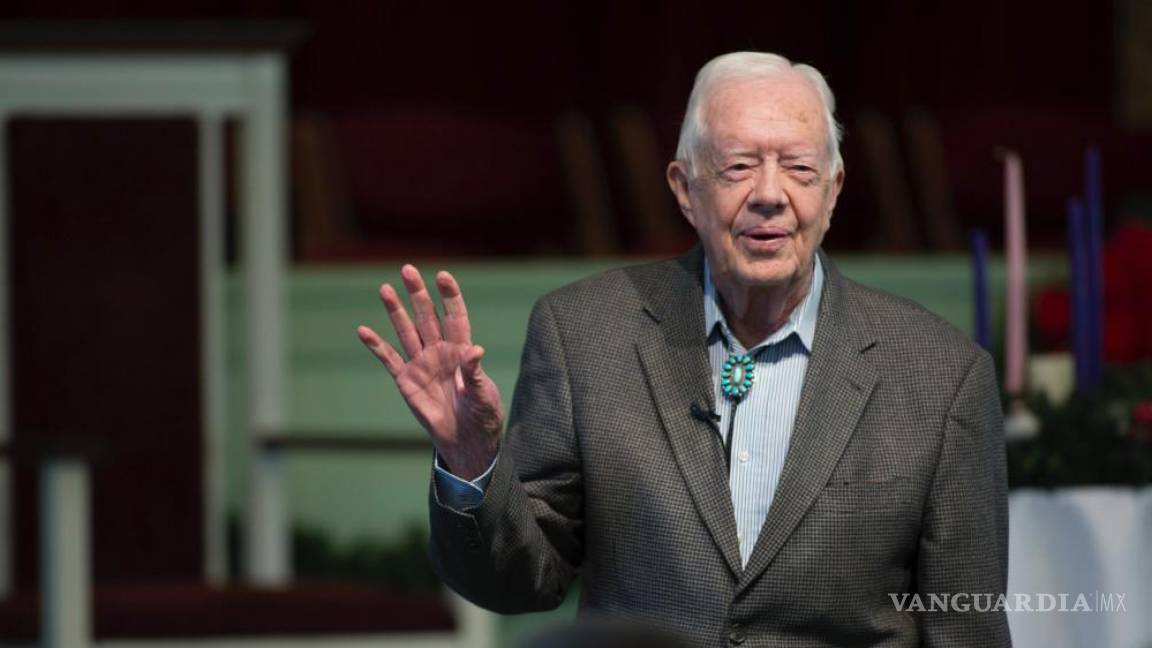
x: 964, y: 537
x: 519, y: 549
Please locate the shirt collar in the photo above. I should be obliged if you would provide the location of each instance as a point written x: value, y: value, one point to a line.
x: 801, y: 321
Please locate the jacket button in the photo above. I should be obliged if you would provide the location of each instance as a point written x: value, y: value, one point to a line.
x: 736, y: 635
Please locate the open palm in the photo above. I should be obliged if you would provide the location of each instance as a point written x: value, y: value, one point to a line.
x: 441, y: 381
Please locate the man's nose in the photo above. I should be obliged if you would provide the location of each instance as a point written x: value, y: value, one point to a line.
x: 768, y: 195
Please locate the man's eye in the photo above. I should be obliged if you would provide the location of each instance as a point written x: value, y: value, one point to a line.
x: 739, y: 170
x: 804, y: 173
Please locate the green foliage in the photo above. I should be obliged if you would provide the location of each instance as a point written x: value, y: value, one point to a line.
x: 1090, y: 439
x: 401, y: 564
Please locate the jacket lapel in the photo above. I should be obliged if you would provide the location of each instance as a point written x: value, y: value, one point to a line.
x: 675, y: 361
x: 837, y: 386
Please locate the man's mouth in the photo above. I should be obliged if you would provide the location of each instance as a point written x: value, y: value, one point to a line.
x: 765, y: 234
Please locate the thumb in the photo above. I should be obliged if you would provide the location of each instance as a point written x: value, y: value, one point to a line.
x: 470, y: 367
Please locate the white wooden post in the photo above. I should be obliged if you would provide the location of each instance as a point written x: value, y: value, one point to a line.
x: 268, y: 550
x: 213, y: 361
x: 7, y: 532
x: 65, y: 568
x: 475, y: 626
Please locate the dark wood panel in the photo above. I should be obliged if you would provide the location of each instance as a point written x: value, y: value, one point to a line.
x: 309, y: 442
x: 105, y: 333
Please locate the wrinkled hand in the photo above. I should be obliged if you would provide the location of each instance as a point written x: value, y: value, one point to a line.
x: 442, y: 382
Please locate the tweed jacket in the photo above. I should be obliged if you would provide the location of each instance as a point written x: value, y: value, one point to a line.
x: 894, y: 481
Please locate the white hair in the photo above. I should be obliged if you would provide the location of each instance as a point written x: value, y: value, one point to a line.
x: 752, y: 65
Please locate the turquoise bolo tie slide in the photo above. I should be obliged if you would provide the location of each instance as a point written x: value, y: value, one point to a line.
x: 737, y: 376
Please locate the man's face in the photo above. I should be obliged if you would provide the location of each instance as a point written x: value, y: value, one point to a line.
x: 761, y: 192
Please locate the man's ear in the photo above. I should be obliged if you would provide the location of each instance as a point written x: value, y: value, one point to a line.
x: 677, y: 176
x: 837, y: 185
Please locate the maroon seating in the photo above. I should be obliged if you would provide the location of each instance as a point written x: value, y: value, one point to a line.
x: 437, y: 182
x: 189, y: 610
x: 1051, y: 143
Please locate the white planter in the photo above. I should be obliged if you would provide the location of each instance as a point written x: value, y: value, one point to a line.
x: 1090, y: 540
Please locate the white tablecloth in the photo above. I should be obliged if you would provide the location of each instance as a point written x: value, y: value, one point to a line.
x: 1082, y: 540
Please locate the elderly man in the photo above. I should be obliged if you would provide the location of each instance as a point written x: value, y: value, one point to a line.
x: 739, y: 444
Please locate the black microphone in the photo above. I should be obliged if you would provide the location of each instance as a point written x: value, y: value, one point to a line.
x: 701, y: 413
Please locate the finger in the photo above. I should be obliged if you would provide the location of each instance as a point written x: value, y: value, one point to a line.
x: 401, y: 323
x: 427, y: 323
x: 470, y: 366
x: 457, y: 328
x: 381, y: 350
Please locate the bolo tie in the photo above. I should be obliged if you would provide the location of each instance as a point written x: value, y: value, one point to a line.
x: 737, y: 375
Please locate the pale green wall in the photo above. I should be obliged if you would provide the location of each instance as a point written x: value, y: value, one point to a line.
x: 336, y: 386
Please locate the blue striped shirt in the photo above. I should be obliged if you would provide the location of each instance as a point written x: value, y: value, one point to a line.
x: 764, y: 418
x: 763, y: 427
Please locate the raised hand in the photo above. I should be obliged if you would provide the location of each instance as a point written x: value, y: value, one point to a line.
x: 442, y: 381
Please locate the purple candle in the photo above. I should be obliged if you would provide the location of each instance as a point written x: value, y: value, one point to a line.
x: 979, y: 247
x: 1094, y: 204
x: 1078, y: 291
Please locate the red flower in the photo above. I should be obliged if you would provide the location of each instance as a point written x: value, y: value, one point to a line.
x: 1142, y: 413
x: 1053, y: 317
x: 1142, y: 421
x: 1122, y: 341
x: 1126, y: 272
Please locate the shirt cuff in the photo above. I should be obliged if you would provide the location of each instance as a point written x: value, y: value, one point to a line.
x: 456, y: 493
